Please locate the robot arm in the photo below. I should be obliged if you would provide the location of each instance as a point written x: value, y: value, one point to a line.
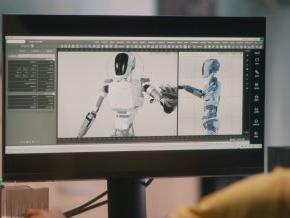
x: 197, y: 92
x: 91, y: 116
x: 167, y: 98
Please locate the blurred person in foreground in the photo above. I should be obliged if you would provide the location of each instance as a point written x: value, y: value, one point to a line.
x: 265, y: 195
x: 37, y: 213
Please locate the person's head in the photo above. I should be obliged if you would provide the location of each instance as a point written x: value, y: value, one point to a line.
x: 209, y: 68
x: 124, y: 65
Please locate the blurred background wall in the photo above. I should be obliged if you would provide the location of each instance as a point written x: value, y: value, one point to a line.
x: 165, y: 195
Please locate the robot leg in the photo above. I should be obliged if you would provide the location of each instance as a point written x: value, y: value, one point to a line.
x: 124, y: 132
x: 211, y: 126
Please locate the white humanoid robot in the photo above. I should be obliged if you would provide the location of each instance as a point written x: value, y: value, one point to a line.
x: 126, y: 96
x: 210, y: 95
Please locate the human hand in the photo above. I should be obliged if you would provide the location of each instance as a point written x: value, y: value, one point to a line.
x: 266, y: 196
x: 37, y: 213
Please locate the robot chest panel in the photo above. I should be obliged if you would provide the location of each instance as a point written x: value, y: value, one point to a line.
x: 125, y: 96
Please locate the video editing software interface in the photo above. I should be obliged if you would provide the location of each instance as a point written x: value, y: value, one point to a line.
x: 102, y: 94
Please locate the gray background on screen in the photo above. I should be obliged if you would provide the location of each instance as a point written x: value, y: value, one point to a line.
x: 30, y: 127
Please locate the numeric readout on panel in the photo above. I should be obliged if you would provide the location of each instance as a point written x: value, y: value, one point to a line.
x: 31, y: 84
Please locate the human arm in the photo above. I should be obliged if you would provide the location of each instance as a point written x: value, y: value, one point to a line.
x: 266, y: 196
x: 37, y: 213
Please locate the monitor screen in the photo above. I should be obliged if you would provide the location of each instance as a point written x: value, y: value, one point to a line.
x: 119, y: 97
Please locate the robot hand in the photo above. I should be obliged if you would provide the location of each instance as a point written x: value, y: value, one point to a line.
x: 169, y: 98
x: 152, y: 100
x: 91, y: 116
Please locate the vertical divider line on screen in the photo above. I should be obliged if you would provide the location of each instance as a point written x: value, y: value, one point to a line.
x: 56, y: 82
x: 177, y: 82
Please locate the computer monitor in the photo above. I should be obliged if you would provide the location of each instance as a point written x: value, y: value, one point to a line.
x: 90, y: 97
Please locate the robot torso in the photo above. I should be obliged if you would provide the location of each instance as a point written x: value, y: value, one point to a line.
x: 211, y: 102
x: 125, y: 97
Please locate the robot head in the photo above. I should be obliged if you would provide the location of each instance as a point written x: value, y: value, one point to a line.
x: 210, y: 68
x: 124, y: 65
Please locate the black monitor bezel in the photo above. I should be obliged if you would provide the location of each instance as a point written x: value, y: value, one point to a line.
x: 63, y: 166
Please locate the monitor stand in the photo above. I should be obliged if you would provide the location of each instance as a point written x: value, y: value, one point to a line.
x: 126, y: 198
